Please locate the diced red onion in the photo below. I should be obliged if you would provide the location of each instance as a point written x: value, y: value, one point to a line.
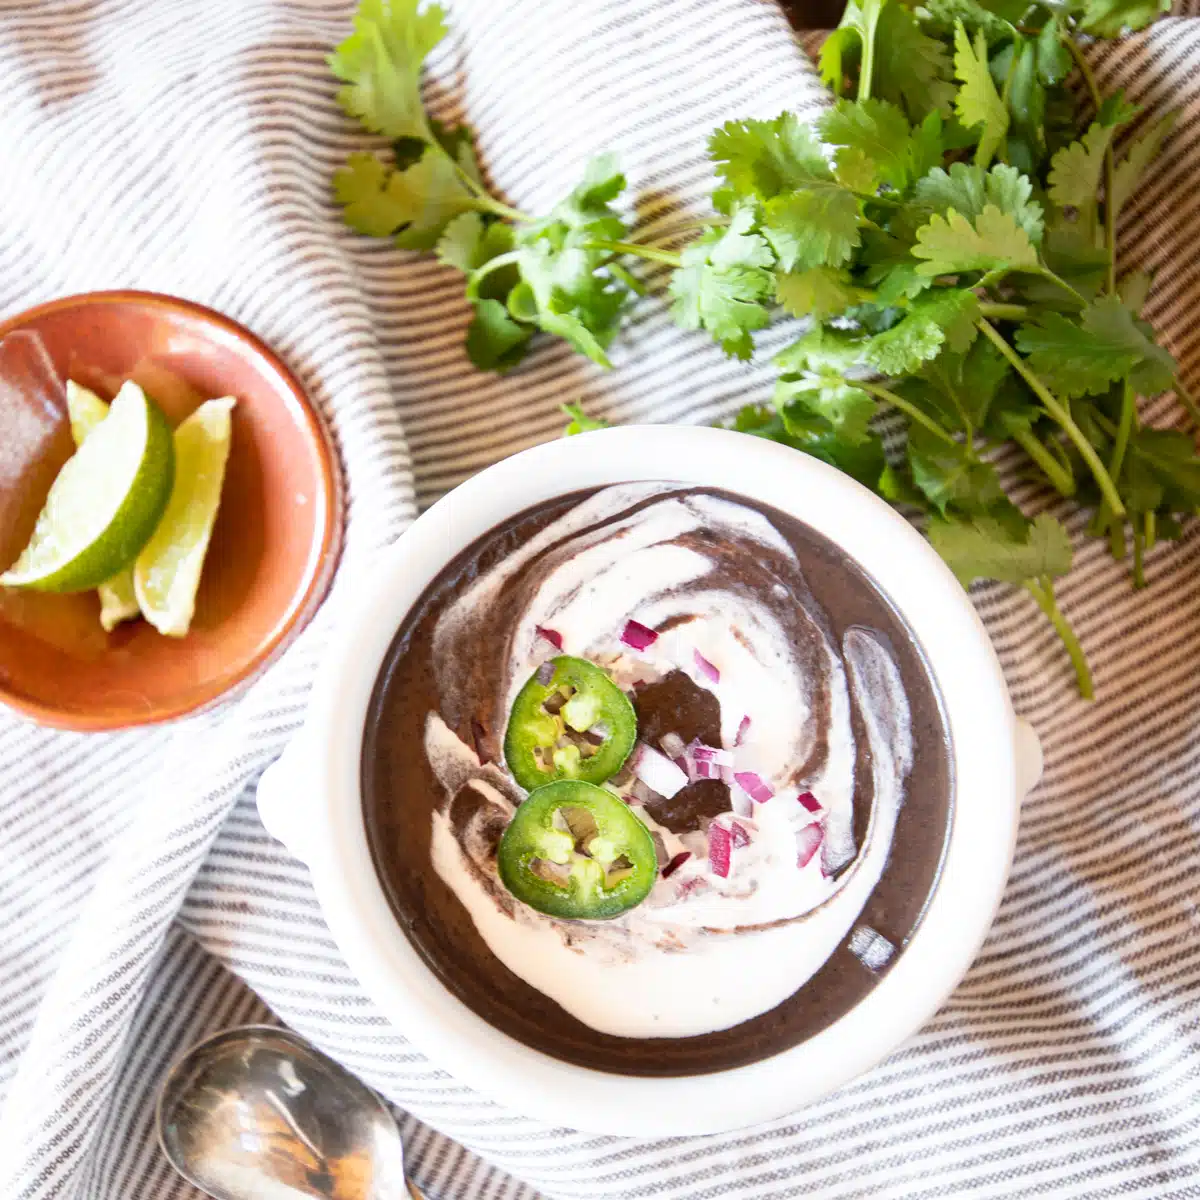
x: 676, y: 863
x: 808, y: 842
x: 705, y: 667
x: 702, y: 753
x: 739, y: 835
x: 551, y: 635
x: 720, y: 847
x: 753, y: 786
x: 638, y: 636
x: 545, y: 673
x: 743, y: 729
x: 672, y: 746
x: 809, y: 801
x: 657, y: 771
x: 704, y: 769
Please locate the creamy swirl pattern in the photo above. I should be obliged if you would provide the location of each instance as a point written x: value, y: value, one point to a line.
x: 722, y: 587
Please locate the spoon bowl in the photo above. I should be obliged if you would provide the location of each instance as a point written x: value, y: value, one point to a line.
x: 257, y: 1112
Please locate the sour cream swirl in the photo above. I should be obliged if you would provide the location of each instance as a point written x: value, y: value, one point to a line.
x: 721, y: 586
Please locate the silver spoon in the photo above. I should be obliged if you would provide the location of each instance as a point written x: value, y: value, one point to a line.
x: 257, y: 1113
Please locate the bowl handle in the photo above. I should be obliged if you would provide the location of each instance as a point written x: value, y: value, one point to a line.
x: 281, y: 804
x: 1028, y: 752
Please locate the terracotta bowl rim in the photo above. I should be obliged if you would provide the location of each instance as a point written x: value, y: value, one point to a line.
x: 315, y: 583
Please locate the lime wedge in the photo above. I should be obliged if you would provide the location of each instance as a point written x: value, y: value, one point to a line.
x: 85, y: 409
x: 105, y: 503
x: 167, y: 572
x: 117, y: 600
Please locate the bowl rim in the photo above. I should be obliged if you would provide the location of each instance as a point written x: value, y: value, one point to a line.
x: 323, y: 824
x: 322, y: 562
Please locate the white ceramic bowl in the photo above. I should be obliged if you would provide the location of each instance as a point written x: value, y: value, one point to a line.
x: 311, y: 798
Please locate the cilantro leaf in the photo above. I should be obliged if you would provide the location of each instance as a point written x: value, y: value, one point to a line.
x: 837, y: 405
x: 863, y: 461
x: 817, y: 225
x: 1085, y: 356
x: 1054, y: 61
x: 879, y: 135
x: 1138, y: 157
x: 978, y: 103
x: 724, y: 282
x: 967, y: 189
x: 952, y: 244
x: 413, y: 205
x: 1134, y: 289
x: 821, y: 351
x: 1111, y: 18
x: 820, y: 292
x: 580, y: 421
x: 927, y: 145
x: 588, y: 206
x: 950, y: 476
x: 956, y: 389
x: 764, y: 158
x: 1075, y: 170
x: 888, y: 267
x: 1110, y: 319
x: 944, y: 14
x: 495, y: 342
x: 1076, y: 259
x: 380, y: 65
x: 912, y: 69
x: 944, y: 316
x: 566, y: 286
x: 461, y: 242
x: 1169, y: 458
x: 986, y: 548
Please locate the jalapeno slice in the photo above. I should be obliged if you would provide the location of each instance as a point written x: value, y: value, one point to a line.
x: 574, y: 850
x: 570, y: 721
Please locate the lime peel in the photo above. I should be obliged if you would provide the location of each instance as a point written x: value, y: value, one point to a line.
x: 117, y: 599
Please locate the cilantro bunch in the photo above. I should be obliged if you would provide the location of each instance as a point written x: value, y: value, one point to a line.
x: 947, y: 230
x: 559, y: 273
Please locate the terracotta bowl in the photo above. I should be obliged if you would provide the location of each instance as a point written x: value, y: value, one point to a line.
x: 277, y: 535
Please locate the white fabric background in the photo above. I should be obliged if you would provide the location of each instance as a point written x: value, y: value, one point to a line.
x: 188, y: 148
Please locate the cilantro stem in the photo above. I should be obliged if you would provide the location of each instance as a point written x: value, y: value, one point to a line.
x: 1151, y: 522
x: 1043, y: 594
x: 1117, y: 460
x: 489, y: 203
x: 1004, y: 312
x: 653, y: 253
x: 484, y: 200
x: 1061, y: 414
x: 910, y: 410
x: 635, y: 285
x: 1186, y: 399
x: 867, y: 66
x: 493, y: 264
x: 1061, y: 479
x: 1110, y: 191
x: 994, y: 277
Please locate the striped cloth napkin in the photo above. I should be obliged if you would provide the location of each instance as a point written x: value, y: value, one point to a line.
x: 188, y: 148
